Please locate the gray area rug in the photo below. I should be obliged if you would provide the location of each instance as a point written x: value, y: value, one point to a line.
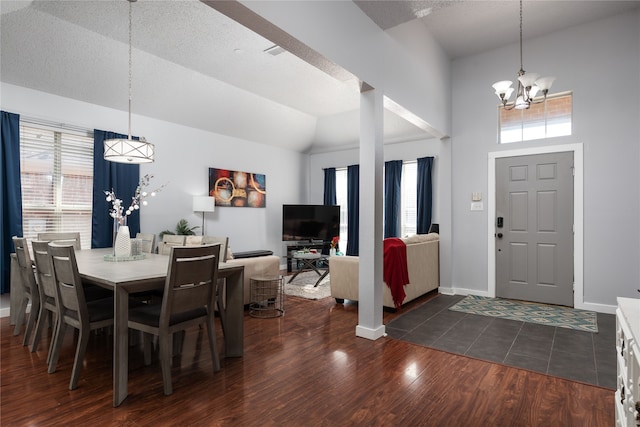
x: 302, y: 286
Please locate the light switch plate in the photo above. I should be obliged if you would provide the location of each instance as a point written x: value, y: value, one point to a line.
x: 477, y: 206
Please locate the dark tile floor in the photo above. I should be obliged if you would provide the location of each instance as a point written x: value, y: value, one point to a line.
x: 566, y: 353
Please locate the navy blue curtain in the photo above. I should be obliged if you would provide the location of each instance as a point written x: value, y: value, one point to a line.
x: 425, y: 165
x: 392, y: 176
x: 10, y: 192
x: 353, y: 210
x: 330, y: 186
x: 123, y: 178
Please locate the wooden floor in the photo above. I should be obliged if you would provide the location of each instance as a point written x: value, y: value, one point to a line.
x: 306, y: 368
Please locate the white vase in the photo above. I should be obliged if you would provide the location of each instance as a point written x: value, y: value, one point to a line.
x: 122, y: 245
x: 332, y: 252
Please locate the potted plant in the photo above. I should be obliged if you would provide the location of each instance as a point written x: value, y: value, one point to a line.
x: 182, y: 229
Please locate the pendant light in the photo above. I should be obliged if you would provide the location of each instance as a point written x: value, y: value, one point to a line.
x: 128, y: 150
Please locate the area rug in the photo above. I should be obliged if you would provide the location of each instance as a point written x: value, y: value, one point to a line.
x: 550, y: 315
x: 302, y: 286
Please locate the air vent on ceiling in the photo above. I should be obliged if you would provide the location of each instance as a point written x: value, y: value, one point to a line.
x: 274, y: 50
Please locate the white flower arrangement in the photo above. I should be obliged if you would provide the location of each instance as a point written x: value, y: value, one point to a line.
x: 117, y: 211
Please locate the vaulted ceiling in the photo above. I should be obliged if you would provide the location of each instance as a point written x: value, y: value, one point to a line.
x: 194, y: 66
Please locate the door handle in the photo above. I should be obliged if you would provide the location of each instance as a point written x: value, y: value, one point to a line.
x: 498, y: 235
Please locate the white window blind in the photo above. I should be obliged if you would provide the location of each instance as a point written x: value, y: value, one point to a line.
x: 56, y: 171
x: 341, y: 199
x: 409, y: 199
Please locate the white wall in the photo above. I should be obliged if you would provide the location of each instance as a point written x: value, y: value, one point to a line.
x: 600, y: 63
x: 183, y: 158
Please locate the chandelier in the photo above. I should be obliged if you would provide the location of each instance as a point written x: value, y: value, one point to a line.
x: 528, y: 85
x: 128, y: 150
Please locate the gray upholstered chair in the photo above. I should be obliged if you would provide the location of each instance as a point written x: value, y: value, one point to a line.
x: 189, y: 298
x: 62, y: 238
x: 148, y: 242
x: 49, y: 294
x: 76, y: 311
x: 30, y: 289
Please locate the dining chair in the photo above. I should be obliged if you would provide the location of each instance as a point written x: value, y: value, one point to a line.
x: 224, y: 243
x: 62, y: 238
x: 91, y: 292
x: 75, y: 310
x: 169, y: 241
x: 148, y: 242
x: 49, y: 295
x: 189, y: 294
x: 30, y: 289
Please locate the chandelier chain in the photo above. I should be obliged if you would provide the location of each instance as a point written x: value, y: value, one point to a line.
x: 130, y: 65
x: 521, y: 66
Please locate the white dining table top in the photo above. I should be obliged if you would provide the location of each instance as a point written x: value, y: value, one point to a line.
x: 91, y: 264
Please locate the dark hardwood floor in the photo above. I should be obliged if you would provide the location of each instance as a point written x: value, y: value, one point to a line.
x: 306, y: 368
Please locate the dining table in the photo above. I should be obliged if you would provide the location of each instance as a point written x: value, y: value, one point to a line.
x: 149, y: 273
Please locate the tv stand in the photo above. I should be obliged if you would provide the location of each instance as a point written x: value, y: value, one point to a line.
x: 296, y: 246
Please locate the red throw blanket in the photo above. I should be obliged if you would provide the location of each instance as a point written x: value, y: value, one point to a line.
x: 395, y: 271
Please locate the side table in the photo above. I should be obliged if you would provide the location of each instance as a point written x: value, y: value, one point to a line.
x: 266, y: 297
x: 311, y: 261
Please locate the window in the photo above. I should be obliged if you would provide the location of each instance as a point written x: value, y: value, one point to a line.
x: 341, y: 199
x: 56, y: 173
x: 543, y: 120
x: 408, y: 200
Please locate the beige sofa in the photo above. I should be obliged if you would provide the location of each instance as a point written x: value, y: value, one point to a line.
x: 263, y: 266
x: 422, y: 263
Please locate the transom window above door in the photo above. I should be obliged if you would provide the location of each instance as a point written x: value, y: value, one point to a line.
x: 542, y: 120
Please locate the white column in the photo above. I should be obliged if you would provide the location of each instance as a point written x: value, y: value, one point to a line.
x: 370, y: 267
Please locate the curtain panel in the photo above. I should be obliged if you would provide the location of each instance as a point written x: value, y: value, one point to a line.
x: 353, y: 210
x: 392, y: 192
x: 425, y: 166
x: 330, y: 186
x: 120, y: 177
x: 10, y: 192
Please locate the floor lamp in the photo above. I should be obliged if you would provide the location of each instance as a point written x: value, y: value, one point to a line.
x: 204, y: 204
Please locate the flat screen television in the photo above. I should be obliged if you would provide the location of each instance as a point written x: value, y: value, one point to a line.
x: 310, y: 222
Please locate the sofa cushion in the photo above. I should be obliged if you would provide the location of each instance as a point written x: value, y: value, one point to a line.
x: 420, y: 238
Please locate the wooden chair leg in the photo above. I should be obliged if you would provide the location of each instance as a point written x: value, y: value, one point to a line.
x: 42, y: 319
x: 148, y: 344
x: 58, y: 345
x: 165, y: 362
x: 83, y: 339
x: 213, y: 346
x: 54, y: 336
x: 22, y: 312
x: 31, y: 323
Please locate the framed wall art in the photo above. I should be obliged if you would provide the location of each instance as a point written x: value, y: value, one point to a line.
x: 237, y: 189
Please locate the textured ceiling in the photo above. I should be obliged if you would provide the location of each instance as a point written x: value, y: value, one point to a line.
x: 197, y: 67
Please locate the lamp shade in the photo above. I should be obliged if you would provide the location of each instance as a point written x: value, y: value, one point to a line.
x: 544, y: 83
x: 123, y: 150
x: 204, y: 204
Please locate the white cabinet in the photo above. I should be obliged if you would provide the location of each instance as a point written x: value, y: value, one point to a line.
x: 628, y: 356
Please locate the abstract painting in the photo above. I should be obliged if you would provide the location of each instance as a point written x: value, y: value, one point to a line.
x: 237, y: 189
